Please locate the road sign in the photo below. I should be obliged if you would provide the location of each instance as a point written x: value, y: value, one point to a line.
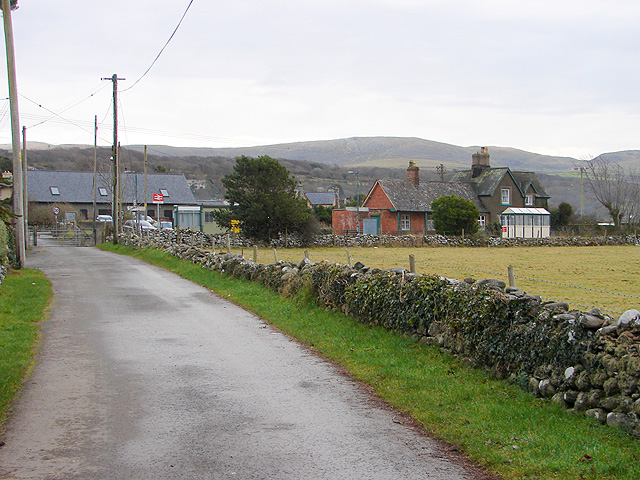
x: 158, y: 198
x: 56, y: 210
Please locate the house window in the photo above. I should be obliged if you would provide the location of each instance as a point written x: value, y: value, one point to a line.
x: 528, y: 200
x: 103, y: 191
x: 54, y: 190
x: 482, y: 221
x: 405, y: 222
x: 208, y: 217
x: 431, y: 226
x: 506, y: 196
x: 165, y: 193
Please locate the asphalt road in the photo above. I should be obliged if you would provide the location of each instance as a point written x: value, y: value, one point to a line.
x: 144, y: 375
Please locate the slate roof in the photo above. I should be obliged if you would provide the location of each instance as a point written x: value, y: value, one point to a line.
x: 77, y: 187
x: 321, y: 198
x: 406, y: 197
x: 489, y: 180
x: 526, y: 179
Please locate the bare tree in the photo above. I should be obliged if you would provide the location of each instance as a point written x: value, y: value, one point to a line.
x: 615, y: 188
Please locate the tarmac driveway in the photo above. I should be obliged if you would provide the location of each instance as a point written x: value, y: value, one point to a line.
x: 144, y: 375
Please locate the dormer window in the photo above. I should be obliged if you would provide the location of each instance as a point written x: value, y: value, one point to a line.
x: 165, y: 193
x: 54, y: 190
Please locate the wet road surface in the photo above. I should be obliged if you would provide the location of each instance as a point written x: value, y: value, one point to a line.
x: 144, y: 375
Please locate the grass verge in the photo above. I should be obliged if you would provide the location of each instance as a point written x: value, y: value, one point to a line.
x: 497, y: 424
x: 24, y: 295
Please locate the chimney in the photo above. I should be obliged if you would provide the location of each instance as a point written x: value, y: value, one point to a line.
x: 480, y: 162
x: 413, y: 173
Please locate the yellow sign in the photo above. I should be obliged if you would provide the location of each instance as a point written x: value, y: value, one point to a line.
x: 235, y: 226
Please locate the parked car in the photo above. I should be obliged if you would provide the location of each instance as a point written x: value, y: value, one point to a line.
x: 142, y: 224
x: 104, y: 218
x: 166, y: 226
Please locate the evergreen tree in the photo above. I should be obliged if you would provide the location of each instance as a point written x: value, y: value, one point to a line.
x: 262, y: 197
x: 452, y: 215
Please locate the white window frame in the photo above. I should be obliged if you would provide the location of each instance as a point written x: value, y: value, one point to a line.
x: 528, y: 200
x: 103, y: 191
x: 482, y: 221
x: 164, y: 192
x: 54, y: 190
x: 505, y: 196
x: 405, y: 222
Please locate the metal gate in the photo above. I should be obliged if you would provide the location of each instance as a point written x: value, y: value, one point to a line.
x: 61, y: 236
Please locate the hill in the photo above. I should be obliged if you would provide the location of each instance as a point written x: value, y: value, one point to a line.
x: 323, y: 165
x: 389, y: 152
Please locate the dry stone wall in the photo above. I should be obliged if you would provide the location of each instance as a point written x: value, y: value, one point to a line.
x: 585, y: 361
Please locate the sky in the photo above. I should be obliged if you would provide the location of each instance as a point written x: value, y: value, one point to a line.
x: 558, y: 77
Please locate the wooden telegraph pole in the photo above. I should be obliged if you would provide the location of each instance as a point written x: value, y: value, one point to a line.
x: 116, y: 162
x: 18, y: 206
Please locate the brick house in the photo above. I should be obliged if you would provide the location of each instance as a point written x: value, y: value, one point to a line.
x: 399, y: 207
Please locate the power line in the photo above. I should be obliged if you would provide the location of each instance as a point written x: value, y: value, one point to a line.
x: 162, y: 50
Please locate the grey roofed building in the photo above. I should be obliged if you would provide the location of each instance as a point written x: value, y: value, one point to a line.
x: 324, y: 199
x: 408, y: 197
x: 490, y: 179
x: 404, y: 206
x: 76, y: 188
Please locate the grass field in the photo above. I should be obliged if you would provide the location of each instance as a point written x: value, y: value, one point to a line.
x: 497, y: 424
x: 586, y: 277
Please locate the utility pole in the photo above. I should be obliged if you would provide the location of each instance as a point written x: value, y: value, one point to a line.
x: 145, y: 184
x: 95, y: 168
x: 116, y: 162
x: 18, y: 205
x: 25, y: 198
x: 441, y: 169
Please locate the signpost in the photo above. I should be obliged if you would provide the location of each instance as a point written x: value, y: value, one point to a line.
x: 235, y: 228
x: 158, y: 199
x: 56, y: 211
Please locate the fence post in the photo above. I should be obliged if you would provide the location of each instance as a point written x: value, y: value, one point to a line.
x: 35, y: 235
x: 348, y: 257
x: 255, y: 254
x: 412, y: 263
x: 306, y: 254
x: 512, y: 276
x: 228, y: 243
x: 275, y: 255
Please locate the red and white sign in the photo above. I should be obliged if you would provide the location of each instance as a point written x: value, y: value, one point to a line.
x: 158, y: 198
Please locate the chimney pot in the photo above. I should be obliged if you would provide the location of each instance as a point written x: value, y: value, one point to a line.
x: 413, y: 173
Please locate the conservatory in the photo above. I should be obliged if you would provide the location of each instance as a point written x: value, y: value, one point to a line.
x: 525, y: 223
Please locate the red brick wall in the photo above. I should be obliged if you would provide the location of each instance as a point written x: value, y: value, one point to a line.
x: 378, y: 199
x: 342, y: 220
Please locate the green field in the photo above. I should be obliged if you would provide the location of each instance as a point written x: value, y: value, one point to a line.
x: 606, y: 277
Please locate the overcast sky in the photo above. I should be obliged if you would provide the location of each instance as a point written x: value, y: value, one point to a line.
x: 548, y: 76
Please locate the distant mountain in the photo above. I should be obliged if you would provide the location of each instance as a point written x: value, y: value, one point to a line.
x: 321, y: 166
x: 390, y: 152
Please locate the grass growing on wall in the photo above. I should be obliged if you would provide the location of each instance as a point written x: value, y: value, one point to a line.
x: 503, y: 428
x: 24, y: 295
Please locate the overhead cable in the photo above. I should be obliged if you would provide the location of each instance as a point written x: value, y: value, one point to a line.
x: 162, y: 50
